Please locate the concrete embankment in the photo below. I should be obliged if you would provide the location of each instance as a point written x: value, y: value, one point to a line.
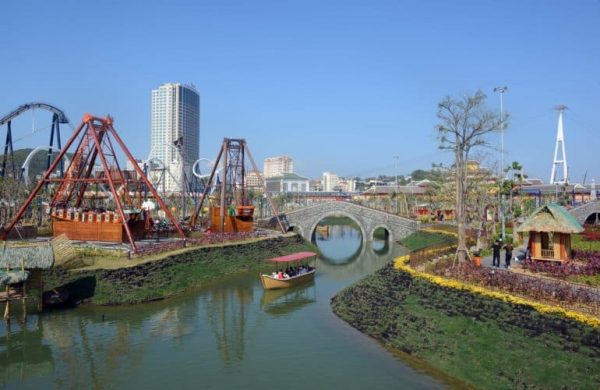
x: 485, y: 342
x: 170, y: 274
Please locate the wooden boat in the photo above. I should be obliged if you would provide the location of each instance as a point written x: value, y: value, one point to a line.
x: 270, y: 282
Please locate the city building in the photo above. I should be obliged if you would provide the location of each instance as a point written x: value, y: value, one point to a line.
x: 347, y: 185
x: 254, y: 180
x: 287, y: 182
x: 315, y: 185
x: 275, y: 166
x: 330, y: 182
x: 175, y: 132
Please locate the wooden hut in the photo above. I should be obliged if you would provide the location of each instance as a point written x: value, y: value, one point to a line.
x: 21, y: 274
x: 550, y: 228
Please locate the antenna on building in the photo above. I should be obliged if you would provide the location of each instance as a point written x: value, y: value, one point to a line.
x: 560, y: 141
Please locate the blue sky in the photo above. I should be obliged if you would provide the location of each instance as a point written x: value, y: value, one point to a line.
x: 339, y: 86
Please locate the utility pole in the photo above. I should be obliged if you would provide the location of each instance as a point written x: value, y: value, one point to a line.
x: 501, y: 90
x: 396, y: 173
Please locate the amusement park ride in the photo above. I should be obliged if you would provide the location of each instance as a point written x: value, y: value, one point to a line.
x: 95, y: 139
x: 58, y: 118
x: 121, y: 214
x: 233, y: 212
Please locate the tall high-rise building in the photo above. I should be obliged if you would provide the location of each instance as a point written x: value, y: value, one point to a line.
x: 275, y: 166
x: 175, y: 131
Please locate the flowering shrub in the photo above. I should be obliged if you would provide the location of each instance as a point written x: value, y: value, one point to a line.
x: 591, y: 235
x: 483, y: 281
x: 536, y: 288
x: 588, y: 264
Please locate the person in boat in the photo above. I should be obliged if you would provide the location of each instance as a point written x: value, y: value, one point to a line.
x: 280, y: 274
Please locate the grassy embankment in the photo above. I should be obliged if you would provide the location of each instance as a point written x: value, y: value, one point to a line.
x: 423, y: 239
x: 485, y: 342
x: 146, y: 279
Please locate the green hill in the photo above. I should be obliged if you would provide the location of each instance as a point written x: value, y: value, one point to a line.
x: 37, y: 165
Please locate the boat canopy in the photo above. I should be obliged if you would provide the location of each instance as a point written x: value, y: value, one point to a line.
x: 293, y: 257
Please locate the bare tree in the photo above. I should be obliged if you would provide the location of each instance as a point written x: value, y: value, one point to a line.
x: 464, y: 123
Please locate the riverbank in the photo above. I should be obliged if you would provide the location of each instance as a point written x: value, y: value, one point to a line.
x: 422, y: 239
x: 485, y: 342
x: 126, y: 282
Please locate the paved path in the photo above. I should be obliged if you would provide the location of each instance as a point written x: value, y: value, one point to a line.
x: 519, y: 252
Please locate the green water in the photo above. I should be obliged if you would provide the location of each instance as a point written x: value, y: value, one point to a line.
x: 231, y: 334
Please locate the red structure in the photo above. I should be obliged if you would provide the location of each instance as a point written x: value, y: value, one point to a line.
x: 95, y: 139
x: 233, y: 212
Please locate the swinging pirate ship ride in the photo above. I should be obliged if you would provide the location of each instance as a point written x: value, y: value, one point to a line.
x: 74, y: 211
x: 229, y: 207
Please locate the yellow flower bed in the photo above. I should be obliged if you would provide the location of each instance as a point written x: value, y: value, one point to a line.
x: 401, y: 263
x: 440, y: 231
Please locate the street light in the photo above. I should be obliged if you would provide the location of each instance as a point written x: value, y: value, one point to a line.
x: 396, y: 173
x: 501, y: 90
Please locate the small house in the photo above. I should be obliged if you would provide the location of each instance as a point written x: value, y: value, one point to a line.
x: 550, y: 228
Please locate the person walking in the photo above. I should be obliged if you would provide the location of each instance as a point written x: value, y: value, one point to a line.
x: 508, y: 248
x: 496, y: 253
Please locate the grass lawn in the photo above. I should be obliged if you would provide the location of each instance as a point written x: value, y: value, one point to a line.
x: 422, y: 239
x: 578, y: 242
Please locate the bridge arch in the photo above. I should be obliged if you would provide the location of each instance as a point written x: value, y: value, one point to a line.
x: 313, y: 227
x: 368, y: 219
x: 586, y: 211
x: 384, y: 227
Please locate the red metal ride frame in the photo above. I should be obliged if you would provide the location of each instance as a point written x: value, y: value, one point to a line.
x: 95, y: 142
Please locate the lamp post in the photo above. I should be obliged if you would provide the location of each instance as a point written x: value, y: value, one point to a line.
x: 501, y: 90
x: 396, y: 173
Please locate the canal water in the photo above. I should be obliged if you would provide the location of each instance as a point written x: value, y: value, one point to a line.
x: 231, y: 334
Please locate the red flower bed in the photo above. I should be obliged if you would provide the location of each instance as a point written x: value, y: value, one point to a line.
x: 524, y: 285
x: 591, y: 235
x: 588, y: 264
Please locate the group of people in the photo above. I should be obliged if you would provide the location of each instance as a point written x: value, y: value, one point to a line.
x: 290, y: 272
x: 508, y: 249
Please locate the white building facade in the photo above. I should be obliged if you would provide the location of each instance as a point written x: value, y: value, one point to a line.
x: 330, y: 182
x: 287, y: 182
x: 276, y: 166
x: 175, y: 132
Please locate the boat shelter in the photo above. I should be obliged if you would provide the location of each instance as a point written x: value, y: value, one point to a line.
x: 21, y: 273
x: 550, y: 228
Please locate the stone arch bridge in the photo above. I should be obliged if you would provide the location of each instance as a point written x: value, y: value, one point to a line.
x: 585, y: 211
x: 305, y: 220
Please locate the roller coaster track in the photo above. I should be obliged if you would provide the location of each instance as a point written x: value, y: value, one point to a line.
x: 58, y: 117
x: 62, y: 118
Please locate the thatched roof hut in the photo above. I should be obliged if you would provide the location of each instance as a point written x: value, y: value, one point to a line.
x: 550, y: 228
x: 21, y: 272
x: 28, y: 257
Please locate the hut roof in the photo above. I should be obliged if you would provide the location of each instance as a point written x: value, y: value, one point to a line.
x: 39, y: 256
x: 551, y: 218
